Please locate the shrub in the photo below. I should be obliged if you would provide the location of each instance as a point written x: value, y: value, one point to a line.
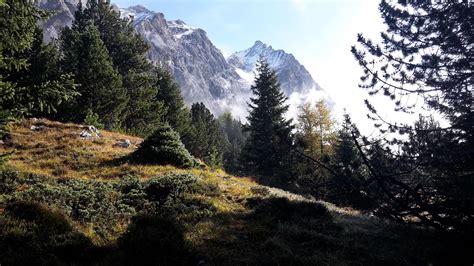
x: 32, y: 234
x: 93, y: 119
x: 164, y: 147
x: 169, y: 188
x: 260, y: 190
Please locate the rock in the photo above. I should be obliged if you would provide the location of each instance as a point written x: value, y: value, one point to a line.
x: 37, y: 128
x: 85, y: 134
x: 94, y: 130
x: 126, y: 143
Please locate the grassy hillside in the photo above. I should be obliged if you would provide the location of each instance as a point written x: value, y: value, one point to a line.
x: 68, y: 200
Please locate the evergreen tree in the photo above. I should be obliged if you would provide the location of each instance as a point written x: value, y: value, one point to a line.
x: 426, y: 53
x: 20, y: 54
x: 100, y: 84
x: 144, y: 110
x: 164, y: 147
x: 25, y: 89
x: 207, y: 140
x: 43, y: 85
x: 267, y: 149
x: 350, y: 185
x: 176, y: 113
x: 127, y: 50
x: 233, y: 131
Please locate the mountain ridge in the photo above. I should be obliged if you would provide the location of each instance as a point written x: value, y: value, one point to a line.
x: 200, y: 68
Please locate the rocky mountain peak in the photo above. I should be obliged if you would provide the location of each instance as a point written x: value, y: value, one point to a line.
x: 200, y: 68
x: 139, y: 9
x: 292, y: 75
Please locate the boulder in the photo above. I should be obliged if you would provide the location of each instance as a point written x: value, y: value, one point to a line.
x: 94, y: 130
x: 126, y: 143
x: 85, y: 134
x: 37, y: 128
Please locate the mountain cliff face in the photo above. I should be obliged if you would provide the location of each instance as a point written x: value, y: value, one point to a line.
x: 200, y: 68
x: 63, y: 15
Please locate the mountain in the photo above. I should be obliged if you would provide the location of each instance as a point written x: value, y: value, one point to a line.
x: 291, y: 74
x: 63, y: 15
x: 200, y: 68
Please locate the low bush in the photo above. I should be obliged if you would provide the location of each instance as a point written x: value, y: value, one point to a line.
x: 164, y: 147
x: 100, y: 202
x: 33, y: 234
x: 168, y: 188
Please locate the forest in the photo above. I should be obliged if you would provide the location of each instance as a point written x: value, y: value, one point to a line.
x: 150, y: 180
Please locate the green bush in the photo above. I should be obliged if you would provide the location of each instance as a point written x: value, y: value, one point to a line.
x: 93, y: 119
x: 99, y: 202
x: 169, y: 188
x: 29, y: 225
x: 164, y: 147
x: 33, y: 234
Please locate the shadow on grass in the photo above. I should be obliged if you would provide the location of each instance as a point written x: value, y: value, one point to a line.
x: 275, y: 232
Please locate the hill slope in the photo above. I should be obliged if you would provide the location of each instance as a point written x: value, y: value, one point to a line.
x: 69, y: 200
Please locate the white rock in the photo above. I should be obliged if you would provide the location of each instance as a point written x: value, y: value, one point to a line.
x: 85, y: 134
x: 94, y: 130
x: 37, y: 128
x: 126, y: 143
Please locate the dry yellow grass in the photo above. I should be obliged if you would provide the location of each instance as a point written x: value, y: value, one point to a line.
x: 236, y: 233
x: 58, y: 151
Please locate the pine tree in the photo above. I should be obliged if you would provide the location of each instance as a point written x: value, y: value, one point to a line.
x: 233, y: 131
x: 100, y: 84
x: 207, y: 140
x: 426, y: 53
x: 164, y: 147
x: 267, y: 149
x: 127, y: 50
x: 43, y: 85
x: 31, y: 82
x: 350, y: 185
x: 176, y: 113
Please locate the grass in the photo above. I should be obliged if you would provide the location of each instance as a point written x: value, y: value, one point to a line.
x: 222, y: 220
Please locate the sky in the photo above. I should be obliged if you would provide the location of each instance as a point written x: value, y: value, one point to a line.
x: 319, y: 33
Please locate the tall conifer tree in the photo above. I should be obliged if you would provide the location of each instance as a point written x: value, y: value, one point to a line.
x: 30, y: 82
x: 127, y: 50
x: 176, y: 112
x: 426, y: 54
x: 266, y: 151
x: 101, y: 88
x: 208, y: 141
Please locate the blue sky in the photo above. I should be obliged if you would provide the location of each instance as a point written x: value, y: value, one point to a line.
x: 318, y: 32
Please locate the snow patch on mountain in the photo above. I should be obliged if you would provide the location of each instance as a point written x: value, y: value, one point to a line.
x: 179, y: 28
